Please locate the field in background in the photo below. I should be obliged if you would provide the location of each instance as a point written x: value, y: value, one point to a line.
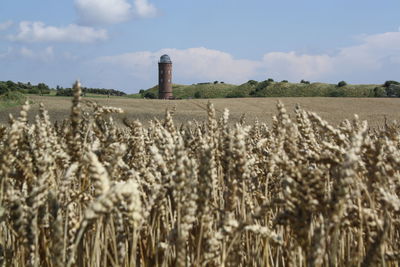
x: 334, y: 110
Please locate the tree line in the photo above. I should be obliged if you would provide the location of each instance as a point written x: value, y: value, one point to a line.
x: 43, y: 89
x: 85, y: 90
x: 26, y: 88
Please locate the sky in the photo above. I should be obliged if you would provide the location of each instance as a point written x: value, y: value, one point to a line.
x: 117, y: 43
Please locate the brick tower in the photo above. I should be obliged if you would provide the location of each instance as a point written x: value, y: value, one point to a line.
x: 165, y: 78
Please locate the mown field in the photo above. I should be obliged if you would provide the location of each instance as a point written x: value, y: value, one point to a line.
x: 334, y: 110
x: 295, y: 191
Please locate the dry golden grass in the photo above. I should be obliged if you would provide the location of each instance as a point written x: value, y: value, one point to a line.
x: 334, y: 110
x: 296, y: 192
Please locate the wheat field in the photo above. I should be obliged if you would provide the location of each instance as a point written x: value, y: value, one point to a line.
x: 297, y: 191
x: 334, y: 110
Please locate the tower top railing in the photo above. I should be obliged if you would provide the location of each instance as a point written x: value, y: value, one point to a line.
x: 165, y: 59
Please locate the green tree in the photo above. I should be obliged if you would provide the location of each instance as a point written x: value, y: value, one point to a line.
x: 11, y: 86
x: 390, y: 82
x: 305, y: 82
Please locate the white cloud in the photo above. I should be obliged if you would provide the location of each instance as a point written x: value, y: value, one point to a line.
x: 39, y: 32
x: 193, y: 64
x: 103, y: 12
x: 374, y: 56
x: 373, y: 52
x: 294, y: 66
x: 95, y: 12
x: 14, y: 53
x: 46, y: 54
x: 5, y: 25
x: 26, y: 52
x: 144, y: 9
x: 6, y: 53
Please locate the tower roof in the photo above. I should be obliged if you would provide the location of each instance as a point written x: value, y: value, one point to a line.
x: 165, y: 59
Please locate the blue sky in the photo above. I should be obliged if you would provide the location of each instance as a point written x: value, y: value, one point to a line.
x: 116, y: 43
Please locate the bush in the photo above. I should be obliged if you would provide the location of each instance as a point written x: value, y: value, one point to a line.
x: 3, y: 88
x: 215, y: 82
x: 337, y: 94
x: 150, y: 95
x: 379, y: 92
x: 252, y: 82
x: 42, y: 87
x: 13, y: 97
x: 11, y: 86
x: 393, y: 90
x: 64, y: 92
x: 236, y: 94
x: 197, y: 95
x: 304, y: 81
x: 259, y: 93
x: 270, y: 80
x: 141, y: 91
x: 284, y: 81
x: 341, y: 84
x: 263, y: 85
x: 34, y: 91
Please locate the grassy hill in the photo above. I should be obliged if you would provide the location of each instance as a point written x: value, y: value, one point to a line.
x: 269, y: 88
x: 209, y: 90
